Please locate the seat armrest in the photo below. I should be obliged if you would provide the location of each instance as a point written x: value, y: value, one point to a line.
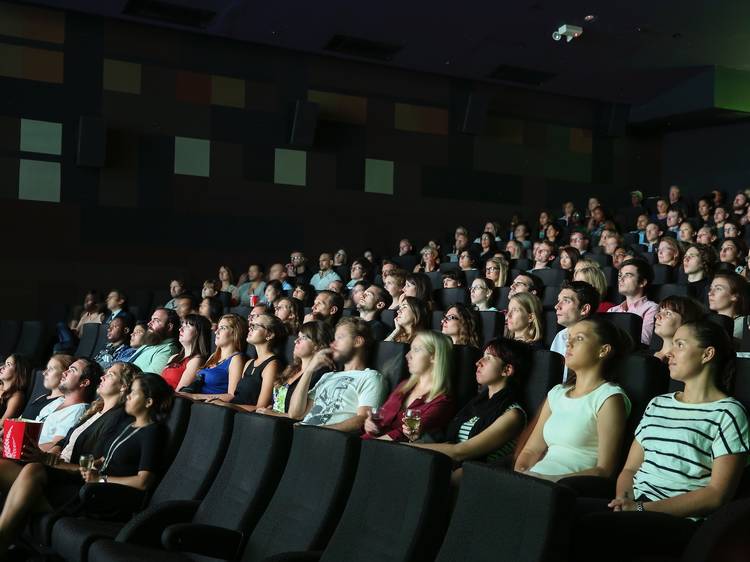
x: 145, y: 528
x: 207, y: 540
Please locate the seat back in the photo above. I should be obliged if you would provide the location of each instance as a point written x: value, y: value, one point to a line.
x: 663, y: 274
x: 10, y: 330
x: 311, y: 495
x: 463, y: 375
x: 528, y: 519
x: 436, y: 279
x: 501, y: 302
x: 101, y: 341
x: 87, y: 341
x: 546, y: 371
x: 491, y: 324
x: 389, y: 359
x: 199, y: 456
x: 176, y: 425
x: 550, y: 277
x: 602, y: 259
x: 406, y: 262
x: 658, y: 293
x: 723, y: 536
x: 471, y: 275
x: 289, y: 348
x: 449, y: 266
x: 627, y: 322
x: 252, y: 468
x: 549, y: 300
x: 551, y: 327
x: 445, y: 298
x: 387, y: 318
x: 373, y: 526
x: 240, y: 310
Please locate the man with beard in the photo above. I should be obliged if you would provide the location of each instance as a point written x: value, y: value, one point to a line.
x: 328, y: 306
x: 160, y: 342
x: 341, y: 399
x: 374, y: 300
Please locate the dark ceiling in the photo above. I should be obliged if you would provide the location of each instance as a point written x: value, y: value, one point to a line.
x: 631, y: 52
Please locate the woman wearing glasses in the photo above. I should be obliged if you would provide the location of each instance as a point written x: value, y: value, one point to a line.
x: 482, y: 294
x: 290, y: 311
x: 312, y: 337
x: 460, y: 323
x: 496, y: 270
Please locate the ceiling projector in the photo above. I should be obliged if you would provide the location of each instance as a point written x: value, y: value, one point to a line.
x: 570, y: 32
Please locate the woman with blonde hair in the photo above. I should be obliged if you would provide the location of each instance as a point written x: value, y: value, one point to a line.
x: 496, y: 270
x: 430, y: 260
x: 594, y: 276
x: 222, y: 372
x: 426, y: 391
x: 523, y: 321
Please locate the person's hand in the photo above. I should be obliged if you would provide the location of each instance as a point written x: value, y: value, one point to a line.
x: 411, y: 435
x: 370, y: 426
x: 308, y: 318
x: 622, y: 504
x: 322, y: 358
x: 89, y: 475
x: 263, y: 410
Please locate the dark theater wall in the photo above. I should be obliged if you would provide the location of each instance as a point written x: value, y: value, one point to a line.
x: 199, y: 169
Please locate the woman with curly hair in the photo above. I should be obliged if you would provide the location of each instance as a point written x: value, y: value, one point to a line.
x: 461, y: 324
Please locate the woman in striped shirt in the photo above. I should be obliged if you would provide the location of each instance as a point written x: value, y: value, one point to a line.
x: 688, y: 455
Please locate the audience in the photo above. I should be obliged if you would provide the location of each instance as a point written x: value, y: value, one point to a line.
x: 195, y: 342
x: 632, y: 281
x: 569, y: 257
x: 496, y: 270
x: 227, y: 284
x: 576, y: 301
x: 461, y: 324
x: 698, y: 264
x: 527, y: 283
x: 429, y: 262
x: 373, y: 301
x: 394, y: 282
x: 454, y: 278
x: 51, y: 377
x: 327, y: 306
x: 591, y: 273
x: 669, y: 252
x: 291, y: 312
x: 419, y: 286
x: 137, y: 340
x: 117, y: 304
x: 544, y: 255
x: 361, y: 270
x: 211, y: 309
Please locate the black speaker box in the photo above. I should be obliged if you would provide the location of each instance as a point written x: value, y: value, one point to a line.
x: 92, y: 141
x: 304, y: 124
x: 475, y: 115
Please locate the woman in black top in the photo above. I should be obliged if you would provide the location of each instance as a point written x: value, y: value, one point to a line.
x: 487, y: 427
x: 131, y: 458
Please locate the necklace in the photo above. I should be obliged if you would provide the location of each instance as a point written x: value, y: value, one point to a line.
x: 119, y: 440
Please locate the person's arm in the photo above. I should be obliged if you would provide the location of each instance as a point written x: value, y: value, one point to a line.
x: 14, y: 407
x: 624, y: 488
x: 140, y: 481
x: 300, y: 403
x: 354, y: 423
x: 536, y: 446
x: 191, y: 369
x: 268, y: 376
x: 235, y: 374
x: 433, y: 415
x: 648, y: 325
x: 503, y: 429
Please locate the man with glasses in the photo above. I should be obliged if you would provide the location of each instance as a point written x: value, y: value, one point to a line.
x: 580, y: 241
x: 527, y: 283
x: 632, y: 281
x: 576, y: 301
x: 372, y: 302
x: 544, y: 254
x: 296, y: 269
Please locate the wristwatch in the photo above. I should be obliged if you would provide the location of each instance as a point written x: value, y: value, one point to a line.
x: 639, y: 506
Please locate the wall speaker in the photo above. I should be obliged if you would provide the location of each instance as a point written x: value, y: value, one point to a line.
x: 475, y: 115
x: 92, y: 141
x: 304, y: 124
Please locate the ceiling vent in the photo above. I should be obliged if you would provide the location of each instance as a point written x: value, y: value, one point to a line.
x: 362, y: 48
x: 166, y: 12
x: 519, y: 75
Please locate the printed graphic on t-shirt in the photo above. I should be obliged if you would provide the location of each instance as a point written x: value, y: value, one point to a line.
x: 329, y: 401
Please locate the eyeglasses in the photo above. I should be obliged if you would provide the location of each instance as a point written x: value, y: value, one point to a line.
x: 302, y: 338
x: 520, y: 284
x: 477, y: 288
x: 450, y: 317
x: 254, y: 326
x: 492, y: 269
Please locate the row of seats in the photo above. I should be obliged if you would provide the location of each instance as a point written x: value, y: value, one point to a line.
x: 25, y: 337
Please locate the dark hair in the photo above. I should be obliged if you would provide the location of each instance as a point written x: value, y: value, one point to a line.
x: 92, y: 372
x: 337, y: 300
x: 573, y: 254
x: 359, y: 328
x: 619, y: 341
x: 739, y: 245
x: 537, y: 285
x: 738, y: 286
x: 470, y: 324
x: 420, y: 311
x: 277, y: 328
x: 424, y: 287
x: 457, y: 275
x: 493, y: 246
x: 382, y: 296
x: 215, y: 309
x: 643, y: 267
x: 366, y: 266
x: 309, y: 291
x: 188, y: 296
x: 202, y: 346
x: 687, y: 307
x: 297, y: 308
x: 737, y: 225
x: 708, y: 256
x: 320, y: 333
x: 172, y: 318
x: 122, y: 296
x: 585, y: 294
x: 472, y: 256
x: 709, y: 201
x: 160, y: 393
x: 23, y: 375
x: 127, y: 321
x: 511, y: 352
x: 711, y: 334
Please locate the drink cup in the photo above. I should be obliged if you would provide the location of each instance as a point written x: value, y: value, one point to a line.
x: 254, y: 300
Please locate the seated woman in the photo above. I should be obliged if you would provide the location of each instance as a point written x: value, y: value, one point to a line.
x: 581, y: 425
x: 211, y: 309
x: 591, y: 273
x: 361, y: 270
x: 569, y: 257
x: 553, y: 233
x: 227, y: 284
x: 461, y: 324
x: 255, y: 389
x: 488, y: 247
x: 685, y: 466
x: 686, y: 234
x: 523, y: 320
x: 453, y: 279
x: 426, y: 390
x: 419, y: 286
x: 669, y: 252
x: 222, y: 372
x: 496, y: 270
x: 726, y: 296
x: 211, y: 288
x: 15, y: 374
x: 482, y: 294
x: 411, y: 318
x: 430, y: 260
x: 272, y: 291
x: 733, y: 253
x: 673, y: 312
x: 467, y: 260
x: 305, y: 293
x: 195, y: 342
x: 312, y: 337
x: 128, y: 457
x: 52, y: 375
x: 488, y: 426
x: 290, y: 311
x: 698, y: 263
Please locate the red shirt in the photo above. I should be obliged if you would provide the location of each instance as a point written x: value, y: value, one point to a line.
x: 434, y: 414
x: 172, y: 373
x: 604, y: 306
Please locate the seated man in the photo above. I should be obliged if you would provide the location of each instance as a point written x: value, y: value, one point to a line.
x: 576, y: 301
x: 326, y: 274
x: 160, y: 342
x: 632, y: 281
x: 118, y: 343
x: 328, y: 306
x: 394, y: 283
x: 185, y: 304
x: 653, y: 235
x: 405, y: 247
x: 277, y: 272
x: 453, y: 279
x: 372, y: 302
x: 78, y: 386
x: 527, y: 283
x: 117, y: 304
x: 580, y: 240
x: 176, y: 287
x: 341, y: 399
x: 355, y: 293
x: 254, y: 286
x: 544, y: 255
x: 296, y: 269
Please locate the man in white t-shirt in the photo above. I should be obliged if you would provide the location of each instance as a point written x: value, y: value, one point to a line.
x: 576, y: 301
x: 341, y: 399
x: 78, y: 385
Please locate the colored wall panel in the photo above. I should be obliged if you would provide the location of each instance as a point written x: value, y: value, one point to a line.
x: 41, y: 136
x: 421, y: 119
x: 732, y: 89
x: 192, y: 87
x: 32, y: 23
x: 192, y: 157
x: 505, y: 130
x: 39, y: 181
x: 228, y: 91
x: 31, y: 64
x: 121, y: 76
x: 290, y: 167
x: 379, y: 176
x: 580, y: 140
x: 340, y: 107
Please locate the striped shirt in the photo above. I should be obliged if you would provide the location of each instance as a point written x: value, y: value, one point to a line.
x: 680, y: 442
x: 464, y: 434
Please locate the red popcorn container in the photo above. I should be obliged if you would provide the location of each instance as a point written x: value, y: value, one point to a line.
x: 15, y: 433
x: 254, y: 300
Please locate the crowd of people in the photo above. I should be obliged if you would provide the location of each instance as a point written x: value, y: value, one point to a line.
x: 225, y: 345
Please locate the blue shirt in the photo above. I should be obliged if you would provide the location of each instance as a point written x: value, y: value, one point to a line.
x: 216, y: 378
